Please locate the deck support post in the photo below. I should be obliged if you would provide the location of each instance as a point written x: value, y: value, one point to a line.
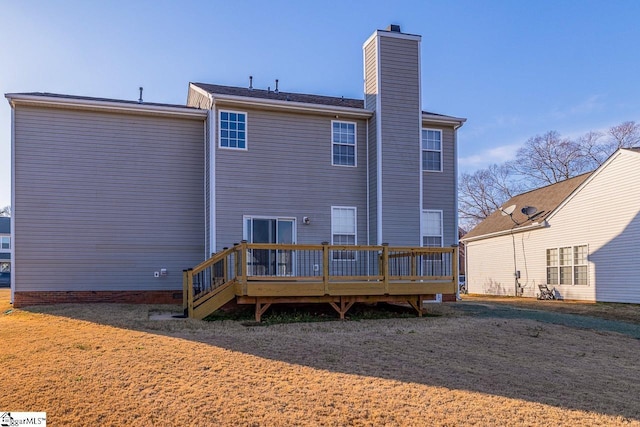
x: 417, y: 304
x: 260, y: 309
x: 345, y: 305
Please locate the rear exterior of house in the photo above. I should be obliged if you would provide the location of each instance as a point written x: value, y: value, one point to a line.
x: 113, y: 199
x: 585, y: 247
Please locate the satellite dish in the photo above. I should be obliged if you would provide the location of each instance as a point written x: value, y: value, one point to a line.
x: 508, y: 210
x: 529, y: 211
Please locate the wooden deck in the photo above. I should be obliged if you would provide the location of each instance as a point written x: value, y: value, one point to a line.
x: 265, y: 274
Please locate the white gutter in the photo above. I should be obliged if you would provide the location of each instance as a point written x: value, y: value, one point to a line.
x: 457, y: 122
x: 291, y: 106
x: 107, y: 105
x: 532, y: 226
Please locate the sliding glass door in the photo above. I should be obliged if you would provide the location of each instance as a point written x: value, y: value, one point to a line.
x: 269, y: 262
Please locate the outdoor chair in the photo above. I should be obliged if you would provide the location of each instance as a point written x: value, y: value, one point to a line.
x: 546, y: 293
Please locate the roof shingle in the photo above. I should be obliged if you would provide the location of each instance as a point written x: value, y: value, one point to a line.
x: 545, y: 199
x: 281, y: 96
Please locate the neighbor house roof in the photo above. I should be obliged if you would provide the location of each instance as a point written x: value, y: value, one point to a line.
x: 545, y: 199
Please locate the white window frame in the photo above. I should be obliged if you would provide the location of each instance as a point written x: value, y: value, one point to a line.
x: 423, y: 227
x: 572, y: 264
x: 355, y: 232
x: 422, y: 150
x: 355, y: 143
x: 246, y: 130
x: 2, y: 242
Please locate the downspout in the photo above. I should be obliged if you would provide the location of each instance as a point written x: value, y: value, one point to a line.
x: 12, y: 230
x: 368, y: 191
x: 456, y: 219
x: 212, y: 176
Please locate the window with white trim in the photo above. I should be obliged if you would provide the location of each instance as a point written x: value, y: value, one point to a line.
x: 432, y: 150
x: 568, y: 265
x: 343, y: 143
x: 5, y: 267
x: 432, y: 264
x: 432, y: 228
x: 343, y: 231
x: 5, y: 242
x: 233, y: 130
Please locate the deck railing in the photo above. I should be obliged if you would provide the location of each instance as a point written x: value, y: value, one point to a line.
x: 316, y: 270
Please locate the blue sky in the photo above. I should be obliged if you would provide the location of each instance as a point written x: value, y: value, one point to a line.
x: 514, y: 69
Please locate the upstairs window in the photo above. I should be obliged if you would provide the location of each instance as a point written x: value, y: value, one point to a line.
x: 233, y: 130
x: 5, y: 242
x: 431, y: 150
x: 343, y: 138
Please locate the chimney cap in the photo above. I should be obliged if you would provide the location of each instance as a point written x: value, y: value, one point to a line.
x: 394, y: 28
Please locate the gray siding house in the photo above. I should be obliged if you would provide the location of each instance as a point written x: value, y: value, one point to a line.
x: 113, y: 199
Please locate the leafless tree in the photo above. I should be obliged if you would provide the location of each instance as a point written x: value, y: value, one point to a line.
x: 549, y: 158
x: 480, y: 193
x: 544, y: 159
x: 6, y: 211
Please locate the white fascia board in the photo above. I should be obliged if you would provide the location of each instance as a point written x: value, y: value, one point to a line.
x: 274, y: 104
x: 445, y: 120
x: 534, y: 226
x: 87, y: 104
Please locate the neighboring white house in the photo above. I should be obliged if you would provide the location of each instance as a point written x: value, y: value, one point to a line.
x: 583, y: 240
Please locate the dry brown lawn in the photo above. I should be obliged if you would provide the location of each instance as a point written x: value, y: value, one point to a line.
x: 110, y: 365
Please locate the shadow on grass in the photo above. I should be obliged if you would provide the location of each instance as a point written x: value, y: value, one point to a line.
x: 513, y: 356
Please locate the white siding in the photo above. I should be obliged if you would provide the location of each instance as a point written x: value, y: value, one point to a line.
x: 604, y: 214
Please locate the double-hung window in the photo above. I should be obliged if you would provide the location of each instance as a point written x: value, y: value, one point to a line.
x: 233, y: 130
x: 567, y: 265
x: 343, y: 231
x: 5, y: 242
x: 432, y: 150
x: 432, y: 228
x: 432, y: 263
x: 343, y: 143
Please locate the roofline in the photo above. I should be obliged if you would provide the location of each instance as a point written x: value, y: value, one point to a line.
x: 447, y: 120
x: 619, y: 152
x: 529, y: 227
x: 115, y: 105
x: 290, y: 105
